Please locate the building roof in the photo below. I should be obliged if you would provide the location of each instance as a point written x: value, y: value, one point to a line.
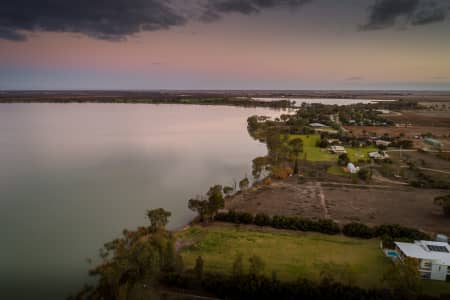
x: 352, y: 168
x: 317, y: 125
x: 383, y: 142
x: 436, y: 251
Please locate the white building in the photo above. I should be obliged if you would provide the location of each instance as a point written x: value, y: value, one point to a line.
x: 317, y: 125
x: 382, y: 143
x: 352, y: 169
x: 378, y: 155
x: 433, y: 257
x: 337, y: 149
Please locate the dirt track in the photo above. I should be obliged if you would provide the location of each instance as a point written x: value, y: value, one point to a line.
x: 371, y: 204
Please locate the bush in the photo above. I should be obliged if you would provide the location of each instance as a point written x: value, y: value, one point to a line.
x: 397, y: 231
x: 244, y: 218
x: 364, y: 174
x: 263, y: 220
x: 358, y: 230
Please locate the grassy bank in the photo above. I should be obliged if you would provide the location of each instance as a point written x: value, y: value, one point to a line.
x: 290, y: 255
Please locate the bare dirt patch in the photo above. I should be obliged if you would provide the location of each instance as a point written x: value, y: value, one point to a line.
x: 281, y: 198
x: 422, y: 118
x: 371, y: 204
x: 396, y: 131
x: 406, y: 206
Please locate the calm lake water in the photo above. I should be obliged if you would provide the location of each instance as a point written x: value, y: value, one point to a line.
x: 72, y: 176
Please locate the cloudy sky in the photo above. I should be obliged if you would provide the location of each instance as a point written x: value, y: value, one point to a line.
x: 225, y: 44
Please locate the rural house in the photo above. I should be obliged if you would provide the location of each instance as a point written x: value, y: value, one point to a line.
x: 433, y: 257
x: 337, y: 149
x: 382, y: 143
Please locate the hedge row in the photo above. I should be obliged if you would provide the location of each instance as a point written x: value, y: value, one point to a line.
x: 259, y: 287
x: 280, y: 222
x: 359, y: 230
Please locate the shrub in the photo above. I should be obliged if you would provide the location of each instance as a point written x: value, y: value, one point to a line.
x: 262, y: 220
x: 397, y: 231
x: 358, y: 230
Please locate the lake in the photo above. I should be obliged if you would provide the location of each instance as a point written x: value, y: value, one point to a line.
x: 72, y: 176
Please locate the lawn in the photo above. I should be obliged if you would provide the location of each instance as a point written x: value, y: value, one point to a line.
x: 290, y: 255
x: 313, y: 153
x: 355, y: 154
x: 337, y: 170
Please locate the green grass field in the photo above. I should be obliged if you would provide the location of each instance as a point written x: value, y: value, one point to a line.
x: 355, y: 154
x: 337, y: 170
x: 313, y: 153
x: 290, y: 255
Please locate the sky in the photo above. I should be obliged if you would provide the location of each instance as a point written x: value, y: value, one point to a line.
x: 224, y: 44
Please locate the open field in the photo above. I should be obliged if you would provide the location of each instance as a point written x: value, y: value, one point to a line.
x: 356, y: 154
x: 402, y: 205
x: 396, y: 131
x: 280, y: 198
x: 372, y: 204
x: 313, y: 153
x: 422, y: 118
x: 290, y: 255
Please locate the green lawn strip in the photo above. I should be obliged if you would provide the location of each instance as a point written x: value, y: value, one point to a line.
x: 290, y: 255
x: 337, y: 170
x: 313, y: 153
x: 356, y: 154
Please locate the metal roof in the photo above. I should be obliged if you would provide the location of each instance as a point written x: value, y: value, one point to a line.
x: 423, y: 250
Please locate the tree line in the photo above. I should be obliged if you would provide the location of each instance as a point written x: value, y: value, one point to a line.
x: 326, y: 226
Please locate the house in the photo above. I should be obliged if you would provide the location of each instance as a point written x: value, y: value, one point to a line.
x: 433, y: 142
x: 333, y: 141
x: 317, y: 125
x: 352, y: 169
x: 379, y: 155
x: 337, y: 150
x: 433, y: 258
x: 382, y: 143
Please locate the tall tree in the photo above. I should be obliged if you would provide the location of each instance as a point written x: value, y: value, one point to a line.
x: 404, y: 279
x: 158, y: 218
x: 215, y: 200
x: 200, y: 206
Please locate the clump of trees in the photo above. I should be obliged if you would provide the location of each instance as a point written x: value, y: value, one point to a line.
x: 343, y: 159
x: 404, y: 279
x: 444, y: 202
x: 132, y: 264
x: 426, y: 181
x: 207, y: 206
x: 365, y: 174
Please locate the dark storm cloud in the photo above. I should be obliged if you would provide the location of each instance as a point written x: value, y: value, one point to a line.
x: 110, y: 20
x: 385, y: 13
x: 117, y: 19
x: 215, y: 9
